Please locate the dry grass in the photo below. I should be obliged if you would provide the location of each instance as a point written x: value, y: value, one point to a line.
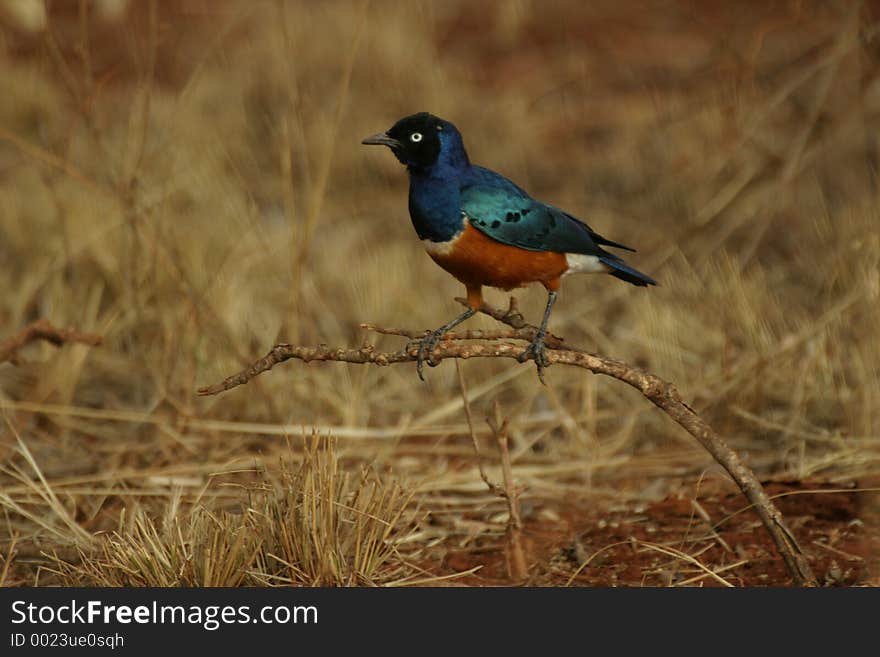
x: 188, y: 184
x: 316, y: 526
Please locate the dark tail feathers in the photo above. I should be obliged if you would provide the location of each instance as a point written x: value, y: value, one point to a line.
x: 621, y: 270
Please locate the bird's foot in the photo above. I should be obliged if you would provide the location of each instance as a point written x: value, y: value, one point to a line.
x: 427, y: 343
x: 536, y: 351
x: 426, y: 347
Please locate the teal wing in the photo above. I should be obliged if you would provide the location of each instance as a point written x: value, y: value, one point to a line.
x: 511, y: 217
x: 508, y: 215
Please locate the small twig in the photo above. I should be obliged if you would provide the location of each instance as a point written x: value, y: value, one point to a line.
x: 701, y: 511
x: 659, y: 392
x: 495, y: 490
x: 42, y: 330
x: 516, y: 561
x: 846, y: 555
x: 514, y: 319
x: 684, y: 556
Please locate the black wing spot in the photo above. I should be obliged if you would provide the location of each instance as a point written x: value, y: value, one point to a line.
x: 525, y: 211
x: 512, y: 217
x: 496, y: 223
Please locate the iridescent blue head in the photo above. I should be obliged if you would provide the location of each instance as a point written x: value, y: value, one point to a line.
x: 424, y: 143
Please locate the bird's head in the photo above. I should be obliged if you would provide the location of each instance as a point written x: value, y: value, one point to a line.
x: 422, y: 141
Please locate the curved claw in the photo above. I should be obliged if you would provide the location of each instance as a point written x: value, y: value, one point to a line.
x: 536, y: 351
x: 427, y: 343
x: 426, y: 346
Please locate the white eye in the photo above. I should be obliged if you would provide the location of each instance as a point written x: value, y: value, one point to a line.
x: 416, y: 137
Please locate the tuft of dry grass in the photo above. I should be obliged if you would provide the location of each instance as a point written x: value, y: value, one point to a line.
x: 325, y: 526
x: 314, y: 524
x: 200, y: 548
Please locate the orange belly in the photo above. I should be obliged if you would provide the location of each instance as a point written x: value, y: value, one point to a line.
x: 476, y: 259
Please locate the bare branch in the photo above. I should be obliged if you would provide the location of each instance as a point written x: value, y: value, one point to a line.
x: 661, y: 393
x: 516, y: 556
x: 495, y: 490
x: 472, y: 334
x: 42, y: 330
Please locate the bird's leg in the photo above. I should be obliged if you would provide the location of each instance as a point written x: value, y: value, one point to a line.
x: 536, y: 349
x: 427, y: 343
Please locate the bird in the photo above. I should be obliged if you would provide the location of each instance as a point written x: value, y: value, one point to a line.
x: 486, y: 230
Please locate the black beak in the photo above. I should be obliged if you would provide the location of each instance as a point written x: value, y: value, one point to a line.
x: 381, y: 139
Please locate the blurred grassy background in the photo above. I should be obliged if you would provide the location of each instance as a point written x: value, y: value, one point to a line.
x: 185, y: 178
